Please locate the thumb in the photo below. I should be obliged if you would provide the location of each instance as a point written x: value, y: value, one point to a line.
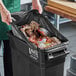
x: 9, y: 18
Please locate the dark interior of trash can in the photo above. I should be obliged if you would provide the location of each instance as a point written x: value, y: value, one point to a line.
x: 26, y: 18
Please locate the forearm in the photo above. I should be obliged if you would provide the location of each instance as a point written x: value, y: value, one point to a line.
x: 36, y: 5
x: 2, y: 7
x: 35, y: 1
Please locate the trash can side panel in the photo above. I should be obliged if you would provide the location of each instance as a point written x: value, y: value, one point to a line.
x: 56, y: 70
x: 20, y: 64
x: 19, y: 45
x: 34, y: 70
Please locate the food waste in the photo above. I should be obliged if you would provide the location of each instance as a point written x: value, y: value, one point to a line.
x: 38, y: 35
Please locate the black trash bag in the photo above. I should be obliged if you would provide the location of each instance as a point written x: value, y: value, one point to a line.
x: 22, y: 18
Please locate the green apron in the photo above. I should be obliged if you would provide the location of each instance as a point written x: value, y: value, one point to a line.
x: 12, y: 6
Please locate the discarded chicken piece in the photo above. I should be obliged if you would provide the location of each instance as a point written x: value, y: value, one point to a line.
x: 23, y: 29
x: 33, y: 39
x: 47, y: 42
x: 38, y: 36
x: 34, y: 25
x: 49, y: 39
x: 27, y: 27
x: 56, y: 40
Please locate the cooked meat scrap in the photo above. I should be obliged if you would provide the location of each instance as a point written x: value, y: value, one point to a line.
x: 38, y: 36
x: 56, y: 40
x: 24, y: 27
x: 33, y: 39
x: 23, y: 30
x: 47, y: 42
x: 34, y: 25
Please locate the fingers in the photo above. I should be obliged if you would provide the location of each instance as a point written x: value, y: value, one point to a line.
x: 40, y: 10
x: 36, y: 5
x: 9, y: 18
x: 5, y: 21
x: 6, y: 17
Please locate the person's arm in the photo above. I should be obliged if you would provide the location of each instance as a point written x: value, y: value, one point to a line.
x: 5, y: 14
x: 36, y: 5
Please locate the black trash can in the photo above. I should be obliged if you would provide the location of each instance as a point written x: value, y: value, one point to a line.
x: 28, y: 60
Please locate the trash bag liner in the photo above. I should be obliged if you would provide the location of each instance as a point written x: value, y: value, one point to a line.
x: 22, y: 18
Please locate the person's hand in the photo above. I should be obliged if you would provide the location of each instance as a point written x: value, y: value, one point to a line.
x: 36, y: 5
x: 6, y: 16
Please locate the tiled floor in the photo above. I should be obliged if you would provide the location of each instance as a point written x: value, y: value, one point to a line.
x: 68, y: 30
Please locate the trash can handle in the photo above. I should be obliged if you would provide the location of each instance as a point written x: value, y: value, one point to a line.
x: 51, y: 56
